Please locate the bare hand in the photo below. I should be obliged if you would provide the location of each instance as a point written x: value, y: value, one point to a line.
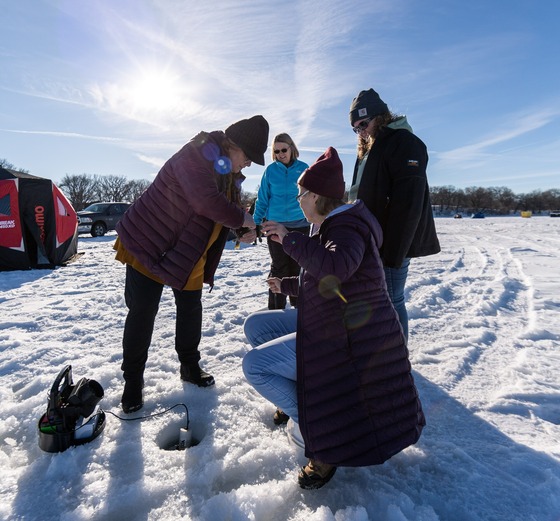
x: 274, y: 230
x: 274, y: 284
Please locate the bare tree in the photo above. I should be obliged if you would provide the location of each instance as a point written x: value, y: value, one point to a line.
x: 480, y: 199
x: 4, y: 163
x: 443, y: 196
x: 136, y: 188
x: 495, y: 200
x: 81, y: 189
x: 247, y: 198
x: 113, y: 188
x: 552, y: 199
x: 505, y: 199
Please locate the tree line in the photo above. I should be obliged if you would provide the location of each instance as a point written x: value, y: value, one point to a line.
x: 494, y: 200
x: 84, y: 189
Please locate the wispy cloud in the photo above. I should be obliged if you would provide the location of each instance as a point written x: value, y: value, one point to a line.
x: 232, y: 63
x: 166, y: 147
x: 145, y: 79
x: 73, y: 135
x: 152, y: 160
x: 518, y: 125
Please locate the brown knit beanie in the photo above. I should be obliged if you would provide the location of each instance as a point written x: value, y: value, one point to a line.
x: 251, y: 135
x: 367, y: 104
x: 325, y: 177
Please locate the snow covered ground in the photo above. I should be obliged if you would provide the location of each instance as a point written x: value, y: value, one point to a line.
x: 485, y: 348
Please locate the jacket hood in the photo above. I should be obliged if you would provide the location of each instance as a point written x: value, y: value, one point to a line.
x: 400, y: 123
x: 358, y: 210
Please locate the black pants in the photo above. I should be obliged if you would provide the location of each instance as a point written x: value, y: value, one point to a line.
x: 282, y: 265
x: 142, y: 296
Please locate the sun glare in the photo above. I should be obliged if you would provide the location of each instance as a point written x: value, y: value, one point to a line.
x: 154, y: 91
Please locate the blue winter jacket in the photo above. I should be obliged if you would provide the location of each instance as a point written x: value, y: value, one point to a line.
x: 276, y: 200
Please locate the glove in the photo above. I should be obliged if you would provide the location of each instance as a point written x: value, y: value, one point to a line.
x: 240, y: 232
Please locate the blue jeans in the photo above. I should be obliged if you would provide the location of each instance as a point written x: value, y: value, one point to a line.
x: 271, y: 366
x: 396, y: 280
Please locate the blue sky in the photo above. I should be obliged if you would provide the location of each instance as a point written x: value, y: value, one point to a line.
x: 115, y: 87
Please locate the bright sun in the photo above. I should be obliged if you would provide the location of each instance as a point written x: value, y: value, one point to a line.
x: 154, y: 90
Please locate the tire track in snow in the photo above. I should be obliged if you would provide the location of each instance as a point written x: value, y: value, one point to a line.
x: 483, y: 287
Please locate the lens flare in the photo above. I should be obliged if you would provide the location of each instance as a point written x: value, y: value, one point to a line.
x: 329, y: 287
x: 358, y: 314
x: 222, y: 165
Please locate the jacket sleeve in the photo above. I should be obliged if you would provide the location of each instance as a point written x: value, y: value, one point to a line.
x: 407, y: 166
x: 340, y: 255
x: 263, y: 198
x: 196, y: 179
x: 290, y: 286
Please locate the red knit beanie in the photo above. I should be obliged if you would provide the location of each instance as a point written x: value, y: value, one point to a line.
x: 324, y: 177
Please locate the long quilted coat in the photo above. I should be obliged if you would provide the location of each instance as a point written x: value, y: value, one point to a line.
x: 358, y: 404
x: 169, y: 227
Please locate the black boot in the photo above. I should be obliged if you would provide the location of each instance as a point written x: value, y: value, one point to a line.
x: 132, y: 397
x: 315, y: 475
x: 280, y: 417
x: 195, y: 375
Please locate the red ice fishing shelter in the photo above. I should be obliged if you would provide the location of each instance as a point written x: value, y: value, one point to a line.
x: 38, y: 226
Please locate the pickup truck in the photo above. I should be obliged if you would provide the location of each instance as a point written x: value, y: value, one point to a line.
x: 99, y: 218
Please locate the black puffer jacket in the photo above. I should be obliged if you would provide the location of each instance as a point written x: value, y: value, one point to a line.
x: 357, y: 401
x: 395, y: 189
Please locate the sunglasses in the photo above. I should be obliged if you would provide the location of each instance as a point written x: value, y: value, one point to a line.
x: 362, y: 125
x: 283, y: 150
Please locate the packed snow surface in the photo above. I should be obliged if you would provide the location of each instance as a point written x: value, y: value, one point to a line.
x: 484, y: 346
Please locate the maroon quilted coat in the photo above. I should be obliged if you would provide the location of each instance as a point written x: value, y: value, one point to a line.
x: 357, y: 401
x: 169, y: 227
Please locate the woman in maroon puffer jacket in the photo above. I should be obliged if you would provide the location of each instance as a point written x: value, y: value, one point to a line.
x: 344, y: 375
x: 174, y: 235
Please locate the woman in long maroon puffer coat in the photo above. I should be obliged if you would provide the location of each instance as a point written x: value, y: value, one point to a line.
x: 338, y: 365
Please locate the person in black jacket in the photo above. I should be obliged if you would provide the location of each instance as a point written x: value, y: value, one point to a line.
x: 390, y: 178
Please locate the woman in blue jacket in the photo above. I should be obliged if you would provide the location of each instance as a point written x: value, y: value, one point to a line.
x: 277, y: 201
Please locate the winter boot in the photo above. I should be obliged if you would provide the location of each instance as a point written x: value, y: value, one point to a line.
x: 195, y: 375
x: 132, y: 397
x: 280, y: 417
x: 315, y: 474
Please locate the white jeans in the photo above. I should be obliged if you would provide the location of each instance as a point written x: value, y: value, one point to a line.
x: 271, y: 367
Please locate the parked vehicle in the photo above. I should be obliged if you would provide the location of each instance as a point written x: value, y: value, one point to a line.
x: 99, y: 218
x: 554, y: 213
x: 477, y: 215
x: 458, y: 216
